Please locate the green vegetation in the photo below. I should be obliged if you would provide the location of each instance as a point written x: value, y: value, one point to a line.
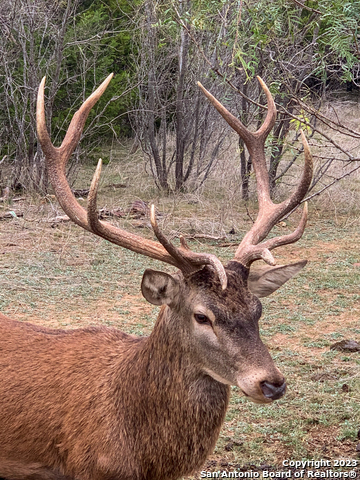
x: 158, y: 50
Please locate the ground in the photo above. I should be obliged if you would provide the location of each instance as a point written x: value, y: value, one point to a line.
x: 57, y: 275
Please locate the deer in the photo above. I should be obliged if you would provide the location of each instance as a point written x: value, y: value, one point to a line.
x: 96, y: 403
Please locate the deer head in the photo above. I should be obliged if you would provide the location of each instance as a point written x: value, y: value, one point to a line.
x: 213, y: 307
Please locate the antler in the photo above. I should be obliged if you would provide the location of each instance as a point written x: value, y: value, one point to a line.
x: 252, y: 246
x: 56, y: 160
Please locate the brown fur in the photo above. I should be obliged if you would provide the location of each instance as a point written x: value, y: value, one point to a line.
x: 98, y: 404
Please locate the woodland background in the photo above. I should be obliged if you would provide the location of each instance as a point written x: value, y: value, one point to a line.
x: 307, y: 53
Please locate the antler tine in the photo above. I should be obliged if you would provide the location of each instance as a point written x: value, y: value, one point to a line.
x: 270, y: 118
x: 118, y: 236
x: 251, y: 248
x: 248, y: 252
x: 169, y: 247
x: 254, y: 141
x: 57, y: 157
x: 234, y: 122
x: 237, y: 125
x: 188, y: 260
x: 305, y: 181
x: 56, y: 160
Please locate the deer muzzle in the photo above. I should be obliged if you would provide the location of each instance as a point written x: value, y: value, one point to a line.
x: 259, y: 389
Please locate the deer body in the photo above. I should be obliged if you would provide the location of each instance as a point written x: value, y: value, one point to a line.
x: 98, y: 404
x: 109, y: 408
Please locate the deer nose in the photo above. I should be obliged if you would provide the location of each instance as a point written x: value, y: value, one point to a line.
x: 273, y: 391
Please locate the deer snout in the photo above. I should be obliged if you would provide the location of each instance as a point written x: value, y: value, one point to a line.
x: 261, y: 387
x: 273, y: 391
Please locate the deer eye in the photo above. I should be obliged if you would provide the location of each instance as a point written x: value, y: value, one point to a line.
x: 202, y: 319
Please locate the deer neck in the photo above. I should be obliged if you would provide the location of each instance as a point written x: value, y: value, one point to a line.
x: 170, y: 366
x: 167, y: 349
x: 176, y: 403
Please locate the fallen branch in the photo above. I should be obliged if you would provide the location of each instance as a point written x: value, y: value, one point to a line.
x: 116, y: 185
x: 11, y: 214
x: 59, y: 219
x: 306, y: 7
x: 228, y: 244
x: 205, y: 236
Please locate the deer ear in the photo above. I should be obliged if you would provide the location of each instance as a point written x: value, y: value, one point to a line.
x: 264, y: 281
x: 159, y: 288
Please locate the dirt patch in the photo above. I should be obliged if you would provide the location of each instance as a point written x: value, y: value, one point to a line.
x: 328, y: 326
x: 323, y: 442
x: 88, y: 313
x: 326, y: 440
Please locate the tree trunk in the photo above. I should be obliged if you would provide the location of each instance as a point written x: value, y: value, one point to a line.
x: 161, y: 172
x: 180, y: 131
x: 245, y: 169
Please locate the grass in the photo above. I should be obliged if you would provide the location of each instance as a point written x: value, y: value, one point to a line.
x: 64, y: 277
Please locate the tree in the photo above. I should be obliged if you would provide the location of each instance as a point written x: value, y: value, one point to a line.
x: 177, y: 129
x: 303, y: 52
x: 66, y: 42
